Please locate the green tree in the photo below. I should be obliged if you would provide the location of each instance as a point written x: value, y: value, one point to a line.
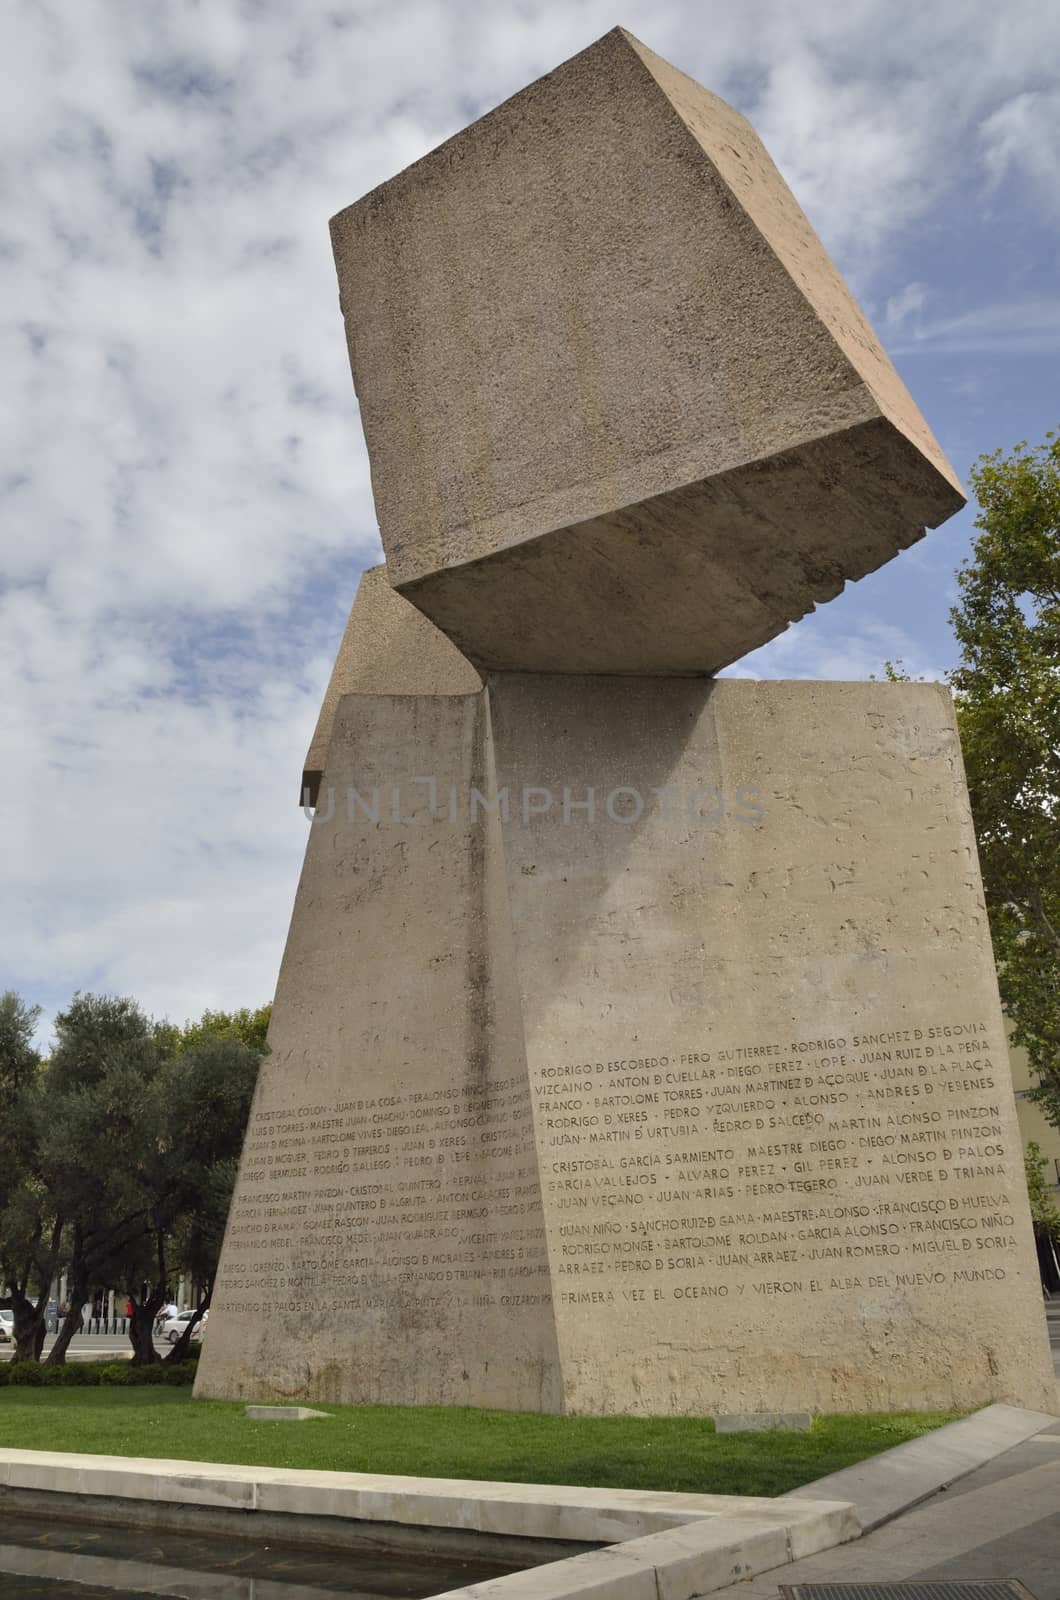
x: 249, y: 1027
x: 144, y: 1128
x: 1007, y: 687
x: 1044, y: 1212
x: 206, y: 1091
x: 103, y: 1129
x: 30, y: 1226
x: 1044, y: 1215
x: 119, y: 1155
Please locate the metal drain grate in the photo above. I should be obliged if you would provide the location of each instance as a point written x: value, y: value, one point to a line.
x: 929, y: 1589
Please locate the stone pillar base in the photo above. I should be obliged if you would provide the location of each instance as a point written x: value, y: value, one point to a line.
x: 637, y: 1049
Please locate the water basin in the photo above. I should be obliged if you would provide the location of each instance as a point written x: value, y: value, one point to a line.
x: 45, y: 1559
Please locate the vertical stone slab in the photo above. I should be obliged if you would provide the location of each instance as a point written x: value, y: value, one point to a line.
x: 385, y: 1241
x: 387, y: 647
x: 778, y: 1147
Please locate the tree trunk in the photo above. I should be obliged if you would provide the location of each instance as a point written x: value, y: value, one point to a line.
x: 141, y: 1328
x: 71, y: 1324
x: 29, y: 1323
x: 144, y: 1312
x: 180, y: 1350
x: 30, y: 1316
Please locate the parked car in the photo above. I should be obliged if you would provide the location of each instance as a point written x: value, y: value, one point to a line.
x: 7, y: 1327
x: 199, y: 1330
x: 173, y: 1327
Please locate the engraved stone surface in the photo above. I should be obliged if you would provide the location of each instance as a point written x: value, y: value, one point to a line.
x: 623, y: 414
x: 650, y: 1061
x: 388, y: 647
x: 386, y: 1240
x: 779, y: 1153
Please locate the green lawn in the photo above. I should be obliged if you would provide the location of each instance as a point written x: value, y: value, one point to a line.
x: 675, y: 1453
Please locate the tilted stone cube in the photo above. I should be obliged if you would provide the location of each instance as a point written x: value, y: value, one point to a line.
x: 622, y: 412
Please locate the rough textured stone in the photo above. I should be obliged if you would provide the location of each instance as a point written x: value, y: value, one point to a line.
x: 781, y: 1044
x: 281, y: 1413
x: 388, y: 648
x: 623, y: 414
x: 388, y: 1196
x: 686, y: 1095
x: 763, y: 1421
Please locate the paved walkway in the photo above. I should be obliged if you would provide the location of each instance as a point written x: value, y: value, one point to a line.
x: 1000, y: 1522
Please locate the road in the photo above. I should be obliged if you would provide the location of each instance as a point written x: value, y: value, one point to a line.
x: 93, y: 1347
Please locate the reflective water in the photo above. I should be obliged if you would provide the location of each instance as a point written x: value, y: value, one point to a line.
x: 42, y: 1559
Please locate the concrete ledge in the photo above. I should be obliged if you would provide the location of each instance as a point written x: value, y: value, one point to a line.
x: 657, y: 1546
x: 763, y: 1421
x: 282, y: 1413
x: 890, y: 1483
x: 336, y: 1535
x: 677, y: 1565
x: 522, y: 1510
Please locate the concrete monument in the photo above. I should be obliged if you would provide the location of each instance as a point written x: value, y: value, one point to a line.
x: 637, y: 1044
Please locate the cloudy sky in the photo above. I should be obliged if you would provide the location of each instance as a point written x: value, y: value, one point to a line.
x: 184, y: 489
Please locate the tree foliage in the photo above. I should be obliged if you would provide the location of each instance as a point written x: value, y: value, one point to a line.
x: 1007, y: 687
x: 1044, y: 1213
x: 29, y: 1232
x: 120, y: 1153
x: 248, y: 1027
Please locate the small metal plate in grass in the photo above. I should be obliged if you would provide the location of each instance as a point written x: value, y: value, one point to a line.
x: 927, y: 1589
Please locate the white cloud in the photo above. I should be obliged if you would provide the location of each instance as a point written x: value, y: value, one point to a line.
x: 846, y: 654
x: 1020, y: 141
x: 1011, y: 327
x: 184, y: 494
x: 906, y: 305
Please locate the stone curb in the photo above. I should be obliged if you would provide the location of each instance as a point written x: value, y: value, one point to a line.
x: 886, y: 1485
x: 660, y: 1546
x: 695, y: 1559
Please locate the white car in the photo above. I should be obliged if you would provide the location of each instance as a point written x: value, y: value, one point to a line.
x: 7, y: 1327
x: 173, y: 1327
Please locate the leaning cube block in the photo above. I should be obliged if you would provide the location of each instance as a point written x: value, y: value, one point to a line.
x: 622, y: 412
